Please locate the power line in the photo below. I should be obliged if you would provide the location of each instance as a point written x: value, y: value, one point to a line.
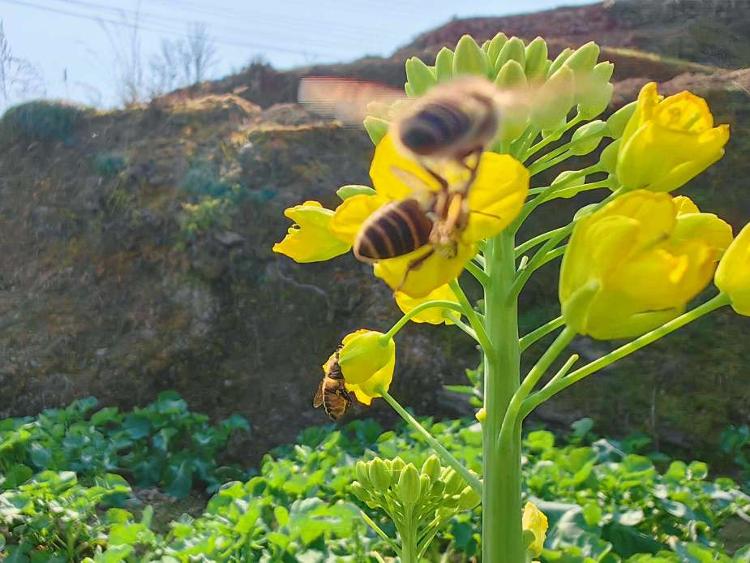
x: 163, y: 30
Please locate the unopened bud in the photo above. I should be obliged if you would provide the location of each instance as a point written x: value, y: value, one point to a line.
x: 597, y: 94
x: 431, y: 467
x: 513, y: 50
x: 379, y: 474
x: 536, y: 59
x: 360, y: 471
x: 454, y: 483
x: 618, y: 120
x: 444, y: 65
x: 376, y: 128
x: 397, y: 464
x: 469, y: 58
x: 587, y: 137
x: 481, y: 415
x: 554, y: 100
x: 559, y: 61
x: 583, y: 59
x: 345, y: 192
x: 496, y: 45
x: 608, y: 158
x: 360, y: 492
x: 468, y: 498
x: 408, y: 485
x: 511, y: 76
x: 419, y: 76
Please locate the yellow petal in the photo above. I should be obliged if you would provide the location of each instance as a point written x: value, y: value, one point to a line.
x: 379, y: 381
x: 496, y: 196
x: 434, y: 315
x: 733, y: 274
x: 397, y: 176
x: 310, y: 238
x: 362, y: 353
x: 535, y: 521
x: 353, y: 211
x: 417, y: 274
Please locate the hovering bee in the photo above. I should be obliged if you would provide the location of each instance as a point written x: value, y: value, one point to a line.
x: 332, y: 394
x: 455, y: 121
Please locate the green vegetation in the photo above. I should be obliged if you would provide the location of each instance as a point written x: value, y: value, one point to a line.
x: 108, y: 164
x: 163, y: 444
x: 66, y: 478
x: 41, y: 121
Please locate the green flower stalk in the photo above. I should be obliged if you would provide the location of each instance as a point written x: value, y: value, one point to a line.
x: 631, y: 264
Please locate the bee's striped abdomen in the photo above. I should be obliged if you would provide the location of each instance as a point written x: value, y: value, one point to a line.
x: 434, y: 126
x: 394, y: 230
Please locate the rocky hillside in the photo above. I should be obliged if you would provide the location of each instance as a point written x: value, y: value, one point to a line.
x: 136, y: 254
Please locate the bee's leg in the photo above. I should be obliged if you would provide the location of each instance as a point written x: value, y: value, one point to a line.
x: 438, y: 178
x: 414, y: 264
x: 473, y: 170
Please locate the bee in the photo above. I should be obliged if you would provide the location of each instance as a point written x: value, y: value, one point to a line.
x: 332, y: 394
x: 455, y: 122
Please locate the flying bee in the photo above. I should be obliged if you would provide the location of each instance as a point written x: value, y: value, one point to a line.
x: 453, y: 122
x: 332, y: 394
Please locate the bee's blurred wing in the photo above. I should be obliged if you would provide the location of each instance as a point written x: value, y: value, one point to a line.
x: 345, y: 99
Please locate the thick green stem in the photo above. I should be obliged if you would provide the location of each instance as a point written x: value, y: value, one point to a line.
x: 409, y: 549
x: 448, y: 458
x: 501, y: 502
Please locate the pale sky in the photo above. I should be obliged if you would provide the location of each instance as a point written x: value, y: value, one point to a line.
x: 67, y: 42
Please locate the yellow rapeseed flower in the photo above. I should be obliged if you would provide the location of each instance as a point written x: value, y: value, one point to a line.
x: 733, y: 274
x: 634, y: 264
x: 310, y: 238
x: 668, y: 141
x: 495, y: 199
x: 535, y: 521
x: 367, y: 362
x: 433, y: 316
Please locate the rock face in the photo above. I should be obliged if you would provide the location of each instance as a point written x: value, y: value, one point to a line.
x: 136, y: 257
x: 104, y: 292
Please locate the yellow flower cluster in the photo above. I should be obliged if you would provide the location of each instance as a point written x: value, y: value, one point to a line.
x: 495, y: 199
x: 634, y: 264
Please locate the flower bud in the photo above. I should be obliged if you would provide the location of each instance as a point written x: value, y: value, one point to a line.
x: 454, y: 483
x: 536, y: 59
x: 583, y: 59
x: 559, y: 61
x: 364, y: 352
x: 481, y: 415
x: 444, y: 65
x: 608, y: 158
x: 380, y: 476
x: 595, y: 96
x: 554, y: 100
x: 511, y: 76
x: 431, y: 467
x: 345, y: 192
x: 438, y: 488
x: 361, y: 472
x: 419, y: 76
x: 468, y: 498
x: 513, y: 50
x: 496, y: 45
x: 587, y: 137
x: 397, y: 465
x: 618, y: 120
x: 668, y: 142
x: 425, y: 484
x: 733, y: 275
x: 408, y: 485
x: 568, y: 183
x: 376, y: 128
x: 469, y: 58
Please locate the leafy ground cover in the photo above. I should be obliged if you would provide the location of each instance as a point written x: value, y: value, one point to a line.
x: 70, y: 484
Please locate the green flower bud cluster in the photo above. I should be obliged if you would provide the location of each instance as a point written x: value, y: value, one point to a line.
x: 548, y: 90
x: 418, y: 501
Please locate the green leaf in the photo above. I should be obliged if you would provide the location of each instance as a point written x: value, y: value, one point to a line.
x: 179, y: 479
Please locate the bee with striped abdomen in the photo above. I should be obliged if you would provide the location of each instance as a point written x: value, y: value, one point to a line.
x: 332, y: 394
